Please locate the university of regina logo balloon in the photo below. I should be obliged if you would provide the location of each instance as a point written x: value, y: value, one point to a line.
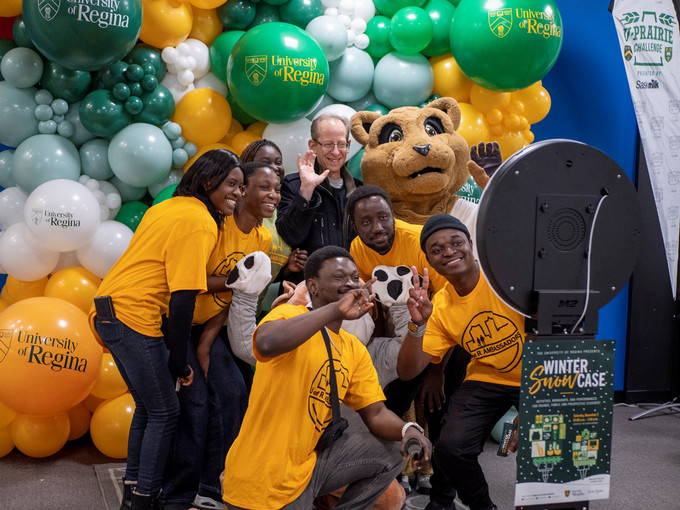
x: 490, y: 334
x: 5, y: 342
x: 48, y: 8
x: 500, y: 22
x: 319, y: 400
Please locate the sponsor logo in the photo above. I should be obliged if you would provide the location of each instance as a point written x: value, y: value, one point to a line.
x: 627, y: 52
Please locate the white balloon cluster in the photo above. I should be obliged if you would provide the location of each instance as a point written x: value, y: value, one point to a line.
x: 354, y: 15
x: 106, y: 194
x: 186, y: 63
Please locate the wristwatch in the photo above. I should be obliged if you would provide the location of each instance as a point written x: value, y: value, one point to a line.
x: 415, y: 330
x: 411, y: 424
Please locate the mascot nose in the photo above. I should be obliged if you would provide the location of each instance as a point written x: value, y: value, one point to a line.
x: 422, y: 149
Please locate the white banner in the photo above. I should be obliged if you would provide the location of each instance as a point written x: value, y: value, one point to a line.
x: 648, y: 35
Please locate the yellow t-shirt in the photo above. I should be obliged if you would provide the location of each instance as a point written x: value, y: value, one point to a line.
x: 169, y: 252
x: 271, y: 461
x: 405, y: 251
x: 232, y: 246
x: 487, y: 328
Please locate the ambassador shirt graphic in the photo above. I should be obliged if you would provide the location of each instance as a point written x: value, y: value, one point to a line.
x: 491, y: 334
x: 319, y: 402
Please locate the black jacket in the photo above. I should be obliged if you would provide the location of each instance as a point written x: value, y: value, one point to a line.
x: 310, y: 225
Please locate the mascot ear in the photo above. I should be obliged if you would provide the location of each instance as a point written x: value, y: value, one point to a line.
x: 361, y: 125
x: 450, y: 107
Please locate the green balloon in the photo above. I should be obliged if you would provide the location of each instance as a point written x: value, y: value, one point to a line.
x: 236, y: 14
x: 300, y: 12
x: 159, y: 105
x: 131, y: 213
x: 389, y: 7
x: 471, y: 191
x: 377, y: 108
x: 441, y: 13
x: 20, y: 34
x: 274, y: 2
x: 102, y: 115
x: 5, y: 46
x: 237, y: 111
x: 219, y: 52
x: 145, y: 54
x: 378, y: 32
x: 164, y: 194
x: 508, y: 47
x: 411, y: 30
x: 265, y: 13
x: 277, y: 72
x: 354, y: 165
x: 66, y: 84
x: 83, y: 35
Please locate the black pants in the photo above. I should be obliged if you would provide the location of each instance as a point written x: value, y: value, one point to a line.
x: 474, y: 410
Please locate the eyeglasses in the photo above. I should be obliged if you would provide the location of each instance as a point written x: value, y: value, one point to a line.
x: 329, y: 146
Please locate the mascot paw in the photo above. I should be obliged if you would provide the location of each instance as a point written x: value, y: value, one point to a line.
x: 251, y: 274
x: 488, y: 156
x: 392, y: 284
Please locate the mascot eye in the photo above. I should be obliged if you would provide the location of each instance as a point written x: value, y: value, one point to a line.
x: 433, y: 126
x: 395, y: 136
x: 390, y: 132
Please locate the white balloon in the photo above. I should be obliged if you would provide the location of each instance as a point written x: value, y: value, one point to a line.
x: 176, y: 89
x: 23, y: 256
x: 342, y: 110
x: 106, y: 246
x: 361, y: 41
x: 212, y: 82
x: 330, y: 3
x: 62, y: 214
x: 12, y: 202
x: 66, y: 259
x: 185, y: 77
x: 292, y: 140
x: 346, y: 7
x: 201, y: 55
x: 364, y: 9
x: 358, y: 26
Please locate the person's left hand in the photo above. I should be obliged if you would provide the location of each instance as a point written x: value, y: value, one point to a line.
x: 431, y: 393
x: 357, y: 302
x: 297, y: 260
x: 186, y: 381
x: 424, y: 444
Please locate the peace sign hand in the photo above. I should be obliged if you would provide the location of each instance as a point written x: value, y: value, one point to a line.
x: 418, y: 304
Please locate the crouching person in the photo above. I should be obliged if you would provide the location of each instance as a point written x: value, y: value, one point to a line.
x: 278, y: 460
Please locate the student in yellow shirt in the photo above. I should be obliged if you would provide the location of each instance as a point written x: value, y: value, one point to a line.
x: 161, y: 273
x: 275, y: 461
x: 467, y: 313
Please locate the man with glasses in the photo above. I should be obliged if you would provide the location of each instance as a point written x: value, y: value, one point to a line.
x: 313, y: 200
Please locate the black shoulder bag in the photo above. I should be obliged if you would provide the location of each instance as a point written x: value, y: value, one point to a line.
x: 339, y: 424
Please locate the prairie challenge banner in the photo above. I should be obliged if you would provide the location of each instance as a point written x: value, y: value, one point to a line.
x: 565, y: 421
x: 648, y: 35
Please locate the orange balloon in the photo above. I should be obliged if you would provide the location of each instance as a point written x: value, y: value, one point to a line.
x: 207, y: 25
x: 165, y: 22
x: 3, y: 304
x: 536, y: 102
x: 258, y: 128
x: 6, y: 415
x: 79, y: 418
x: 110, y: 383
x: 510, y: 142
x: 40, y: 436
x: 110, y: 425
x: 92, y: 402
x: 16, y: 290
x: 207, y: 4
x: 202, y: 150
x: 6, y: 443
x: 485, y: 99
x: 9, y: 8
x: 473, y: 126
x: 528, y: 136
x: 205, y: 116
x: 242, y: 140
x: 234, y: 128
x: 49, y: 359
x: 74, y: 284
x: 449, y: 79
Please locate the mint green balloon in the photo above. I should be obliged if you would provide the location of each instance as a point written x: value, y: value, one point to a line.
x: 17, y: 114
x: 351, y: 76
x: 5, y: 46
x: 94, y: 159
x: 330, y: 33
x: 66, y: 84
x: 42, y: 158
x: 102, y: 115
x: 127, y: 192
x: 21, y: 67
x: 378, y: 32
x: 411, y: 30
x: 402, y: 80
x: 219, y: 52
x: 441, y: 13
x: 300, y: 12
x: 131, y: 213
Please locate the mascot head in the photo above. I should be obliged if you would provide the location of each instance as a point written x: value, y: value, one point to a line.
x: 415, y: 155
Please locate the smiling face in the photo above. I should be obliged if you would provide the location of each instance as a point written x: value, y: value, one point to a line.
x: 449, y: 252
x: 374, y: 223
x: 225, y: 196
x: 330, y: 131
x: 336, y: 277
x: 262, y: 194
x: 269, y: 155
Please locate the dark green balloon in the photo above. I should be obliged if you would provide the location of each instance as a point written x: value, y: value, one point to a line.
x: 102, y: 115
x: 115, y: 73
x: 5, y: 46
x: 265, y: 13
x: 145, y: 54
x: 20, y: 34
x: 159, y: 105
x: 164, y: 194
x: 236, y: 14
x: 219, y: 52
x: 441, y: 13
x: 131, y: 213
x: 378, y: 32
x: 377, y: 108
x: 66, y: 84
x: 300, y: 12
x: 238, y: 112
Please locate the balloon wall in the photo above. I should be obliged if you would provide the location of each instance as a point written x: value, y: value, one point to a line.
x: 104, y: 105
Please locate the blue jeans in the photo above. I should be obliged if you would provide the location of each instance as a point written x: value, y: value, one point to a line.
x: 143, y: 363
x: 211, y: 412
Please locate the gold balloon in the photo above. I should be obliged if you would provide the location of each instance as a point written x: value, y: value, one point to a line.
x: 110, y: 425
x: 40, y: 436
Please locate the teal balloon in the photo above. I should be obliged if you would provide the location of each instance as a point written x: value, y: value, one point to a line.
x: 378, y: 32
x: 441, y: 13
x: 509, y: 46
x: 43, y: 158
x: 274, y: 2
x: 219, y: 52
x: 159, y: 105
x: 402, y: 80
x: 21, y: 67
x: 377, y: 108
x: 127, y: 192
x: 497, y: 430
x: 411, y: 30
x: 237, y: 111
x: 143, y: 54
x: 5, y: 46
x: 164, y: 194
x: 17, y: 114
x: 102, y: 115
x: 131, y: 213
x: 94, y: 159
x: 20, y: 33
x: 351, y: 76
x: 389, y: 7
x: 83, y: 35
x: 236, y: 14
x: 140, y: 155
x: 300, y: 12
x: 277, y: 72
x: 354, y: 164
x: 331, y: 35
x: 66, y: 84
x: 80, y: 134
x: 265, y: 13
x: 6, y: 177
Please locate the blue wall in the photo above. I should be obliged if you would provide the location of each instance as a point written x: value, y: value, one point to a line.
x: 591, y: 103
